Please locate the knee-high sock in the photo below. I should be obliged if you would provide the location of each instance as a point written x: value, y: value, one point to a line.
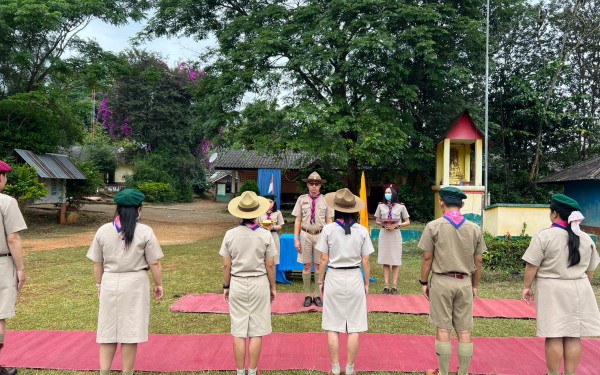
x: 444, y: 352
x: 465, y: 354
x: 317, y: 289
x: 306, y: 281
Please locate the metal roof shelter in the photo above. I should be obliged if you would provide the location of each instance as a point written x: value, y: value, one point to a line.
x: 587, y: 170
x: 53, y: 166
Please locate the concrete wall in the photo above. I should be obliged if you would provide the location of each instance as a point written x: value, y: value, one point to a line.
x: 500, y: 219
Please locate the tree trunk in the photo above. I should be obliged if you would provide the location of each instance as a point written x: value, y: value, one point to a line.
x: 352, y: 179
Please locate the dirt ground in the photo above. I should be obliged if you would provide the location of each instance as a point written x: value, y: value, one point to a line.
x: 172, y: 224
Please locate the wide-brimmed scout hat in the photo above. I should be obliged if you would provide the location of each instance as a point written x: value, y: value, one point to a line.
x: 344, y: 201
x: 566, y: 201
x: 129, y: 198
x: 314, y: 177
x: 248, y: 205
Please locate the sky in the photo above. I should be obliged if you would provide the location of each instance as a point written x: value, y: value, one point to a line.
x: 116, y: 39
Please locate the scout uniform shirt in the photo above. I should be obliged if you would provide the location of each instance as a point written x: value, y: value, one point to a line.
x: 399, y: 212
x: 12, y: 222
x: 303, y: 208
x: 453, y: 249
x: 248, y: 250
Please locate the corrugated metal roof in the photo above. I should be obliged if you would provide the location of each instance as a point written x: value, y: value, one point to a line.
x: 219, y: 175
x: 54, y: 166
x: 241, y: 159
x: 587, y: 170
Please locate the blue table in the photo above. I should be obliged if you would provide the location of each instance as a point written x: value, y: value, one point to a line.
x: 287, y: 258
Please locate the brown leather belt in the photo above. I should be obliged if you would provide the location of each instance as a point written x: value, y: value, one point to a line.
x: 311, y: 231
x: 456, y: 275
x: 6, y: 255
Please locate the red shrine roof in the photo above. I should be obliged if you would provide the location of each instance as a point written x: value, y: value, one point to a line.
x: 463, y: 128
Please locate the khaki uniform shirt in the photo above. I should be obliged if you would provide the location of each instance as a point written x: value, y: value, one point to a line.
x: 399, y: 212
x: 453, y: 249
x: 276, y: 216
x: 322, y: 211
x: 12, y: 220
x: 345, y: 250
x: 549, y: 250
x: 248, y: 250
x: 107, y: 248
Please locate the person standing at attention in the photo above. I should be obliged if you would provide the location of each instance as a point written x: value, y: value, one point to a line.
x: 275, y: 219
x: 312, y: 213
x: 123, y: 251
x: 453, y: 250
x: 392, y: 216
x: 12, y: 266
x: 248, y: 254
x: 562, y: 260
x: 344, y: 246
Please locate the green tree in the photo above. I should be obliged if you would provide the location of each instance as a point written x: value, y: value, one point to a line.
x: 23, y: 185
x: 350, y: 80
x: 77, y: 190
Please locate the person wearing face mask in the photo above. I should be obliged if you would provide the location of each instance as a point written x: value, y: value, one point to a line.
x: 123, y: 251
x: 391, y: 215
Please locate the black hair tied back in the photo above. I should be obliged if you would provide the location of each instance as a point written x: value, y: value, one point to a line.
x: 564, y: 213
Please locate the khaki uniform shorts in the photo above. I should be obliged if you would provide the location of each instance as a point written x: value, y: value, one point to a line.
x: 451, y: 302
x: 309, y: 253
x: 8, y: 287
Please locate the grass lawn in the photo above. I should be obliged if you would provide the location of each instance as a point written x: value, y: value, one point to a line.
x: 61, y: 295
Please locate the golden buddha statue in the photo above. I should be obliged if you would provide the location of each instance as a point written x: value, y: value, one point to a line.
x: 456, y: 174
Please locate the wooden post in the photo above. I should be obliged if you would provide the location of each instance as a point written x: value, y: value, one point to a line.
x: 63, y: 213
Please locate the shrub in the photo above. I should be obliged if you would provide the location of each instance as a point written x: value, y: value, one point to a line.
x: 158, y: 191
x: 504, y: 254
x: 78, y: 189
x: 23, y: 184
x: 250, y: 186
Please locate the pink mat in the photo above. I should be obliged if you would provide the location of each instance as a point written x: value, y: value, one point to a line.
x: 288, y: 303
x: 71, y: 350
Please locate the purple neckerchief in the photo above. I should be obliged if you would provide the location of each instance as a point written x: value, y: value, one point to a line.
x: 455, y: 218
x: 341, y: 223
x: 117, y: 224
x: 560, y: 224
x: 390, y: 207
x: 269, y: 215
x: 253, y: 226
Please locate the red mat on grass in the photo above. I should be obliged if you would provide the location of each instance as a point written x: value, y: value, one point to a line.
x: 71, y: 350
x: 289, y: 303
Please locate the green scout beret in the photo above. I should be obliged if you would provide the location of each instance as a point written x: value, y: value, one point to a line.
x: 269, y: 196
x: 129, y: 198
x: 452, y: 194
x: 566, y: 201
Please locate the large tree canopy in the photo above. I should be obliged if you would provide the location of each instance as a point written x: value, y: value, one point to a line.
x: 352, y: 80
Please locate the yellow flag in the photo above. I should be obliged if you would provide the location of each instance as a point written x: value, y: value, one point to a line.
x: 364, y: 213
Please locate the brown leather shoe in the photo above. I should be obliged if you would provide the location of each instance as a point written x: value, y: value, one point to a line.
x: 307, y: 301
x: 394, y: 292
x: 386, y: 290
x: 318, y: 302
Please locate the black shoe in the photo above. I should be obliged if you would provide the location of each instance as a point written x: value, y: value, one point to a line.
x: 386, y: 290
x: 7, y: 371
x: 394, y: 291
x: 307, y: 301
x: 318, y: 302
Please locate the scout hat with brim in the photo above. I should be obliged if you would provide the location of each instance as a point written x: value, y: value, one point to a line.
x: 248, y: 205
x: 568, y: 202
x: 4, y: 168
x: 129, y: 198
x: 344, y: 201
x: 452, y: 195
x: 314, y: 177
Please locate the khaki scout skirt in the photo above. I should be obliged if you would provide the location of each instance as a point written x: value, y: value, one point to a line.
x: 390, y: 247
x: 566, y: 308
x: 124, y: 308
x: 344, y: 301
x: 8, y: 287
x: 250, y: 306
x: 277, y: 246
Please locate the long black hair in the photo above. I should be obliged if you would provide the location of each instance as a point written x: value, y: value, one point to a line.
x: 349, y: 218
x: 564, y: 212
x: 394, y: 195
x: 129, y: 217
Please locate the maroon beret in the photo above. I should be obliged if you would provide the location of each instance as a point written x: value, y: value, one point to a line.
x: 4, y: 168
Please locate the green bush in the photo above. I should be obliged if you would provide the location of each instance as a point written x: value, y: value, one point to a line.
x: 23, y: 184
x: 250, y: 186
x: 158, y: 191
x: 504, y: 254
x: 78, y: 189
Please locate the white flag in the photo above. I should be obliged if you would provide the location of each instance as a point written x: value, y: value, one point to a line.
x: 271, y: 186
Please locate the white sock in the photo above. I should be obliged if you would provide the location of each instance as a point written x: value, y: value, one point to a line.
x: 252, y: 371
x: 350, y: 369
x: 241, y: 372
x: 335, y: 368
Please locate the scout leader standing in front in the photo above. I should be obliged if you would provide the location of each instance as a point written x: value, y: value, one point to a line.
x: 312, y: 213
x: 452, y: 248
x: 12, y: 268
